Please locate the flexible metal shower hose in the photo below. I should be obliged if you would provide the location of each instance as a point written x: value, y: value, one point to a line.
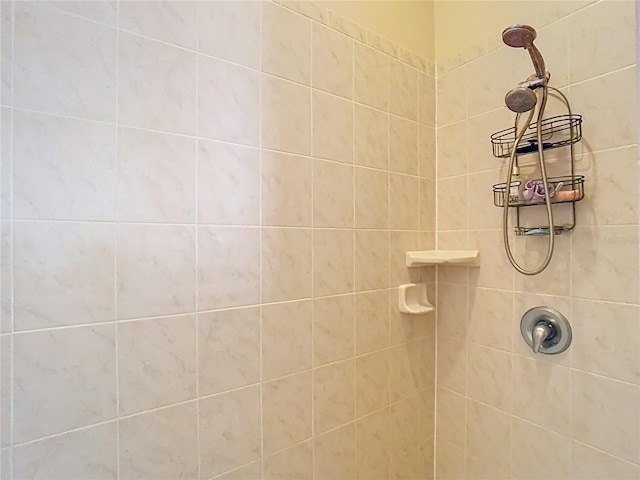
x: 543, y: 171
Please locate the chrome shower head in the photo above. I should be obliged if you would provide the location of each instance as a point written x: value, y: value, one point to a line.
x: 522, y: 36
x: 519, y: 36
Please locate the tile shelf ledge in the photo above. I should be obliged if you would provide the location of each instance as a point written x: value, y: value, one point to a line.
x: 461, y: 258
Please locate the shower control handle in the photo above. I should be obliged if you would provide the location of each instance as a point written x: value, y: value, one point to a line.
x: 541, y: 332
x: 546, y: 330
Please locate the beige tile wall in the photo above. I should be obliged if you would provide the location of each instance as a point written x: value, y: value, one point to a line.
x: 205, y: 211
x: 501, y: 411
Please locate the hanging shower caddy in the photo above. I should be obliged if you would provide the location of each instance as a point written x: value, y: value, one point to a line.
x: 558, y: 131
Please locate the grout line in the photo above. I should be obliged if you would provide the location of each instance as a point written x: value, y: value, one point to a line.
x: 436, y: 184
x: 313, y: 260
x: 354, y: 319
x: 115, y: 238
x: 196, y: 283
x: 261, y: 240
x: 12, y: 246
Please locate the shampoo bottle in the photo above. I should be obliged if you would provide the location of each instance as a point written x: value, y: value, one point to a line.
x: 514, y: 188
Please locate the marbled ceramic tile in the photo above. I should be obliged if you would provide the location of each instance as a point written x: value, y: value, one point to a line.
x: 332, y: 261
x: 63, y: 64
x: 609, y: 339
x: 590, y: 58
x: 230, y: 31
x: 285, y: 116
x: 347, y: 27
x: 286, y: 189
x: 372, y: 321
x: 170, y: 21
x: 286, y: 44
x: 286, y: 411
x: 63, y: 274
x: 156, y: 177
x: 372, y: 382
x: 155, y: 270
x: 452, y: 364
x: 6, y: 389
x: 533, y: 441
x: 382, y: 44
x: 454, y: 311
x: 403, y: 90
x: 160, y: 444
x: 371, y: 260
x: 452, y: 203
x: 481, y: 211
x: 488, y: 309
x: 87, y: 453
x: 427, y: 151
x: 294, y: 462
x: 333, y: 395
x: 310, y: 10
x: 156, y: 363
x: 614, y: 430
x: 332, y: 128
x: 447, y: 461
x: 591, y: 463
x: 370, y: 77
x: 156, y: 85
x: 229, y: 430
x: 228, y: 349
x: 610, y: 198
x: 228, y: 267
x: 495, y: 271
x: 334, y: 453
x: 6, y: 160
x: 403, y: 146
x: 483, y: 90
x: 611, y: 99
x: 286, y: 338
x: 403, y: 426
x: 404, y: 190
x: 371, y: 137
x: 53, y: 393
x: 371, y: 198
x: 401, y: 242
x: 452, y: 97
x: 332, y: 61
x: 427, y: 202
x: 604, y: 254
x: 228, y: 102
x: 452, y: 150
x: 405, y: 370
x: 251, y: 471
x: 537, y: 384
x: 489, y: 377
x: 228, y: 184
x: 372, y: 444
x: 426, y: 99
x: 332, y: 194
x: 286, y: 264
x: 103, y: 12
x: 63, y: 169
x: 480, y: 420
x: 333, y: 329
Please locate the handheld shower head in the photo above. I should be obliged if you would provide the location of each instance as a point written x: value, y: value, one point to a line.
x: 522, y: 36
x: 519, y: 36
x: 521, y: 99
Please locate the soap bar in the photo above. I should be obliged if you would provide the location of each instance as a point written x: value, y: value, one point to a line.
x: 567, y: 195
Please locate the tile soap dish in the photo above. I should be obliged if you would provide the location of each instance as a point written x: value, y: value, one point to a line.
x: 412, y: 298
